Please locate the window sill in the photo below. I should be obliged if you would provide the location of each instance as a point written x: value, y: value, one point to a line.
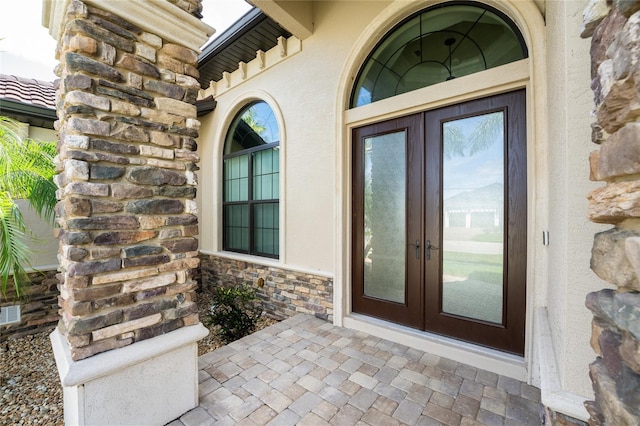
x: 266, y: 261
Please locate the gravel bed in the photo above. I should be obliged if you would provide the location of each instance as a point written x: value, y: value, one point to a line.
x: 31, y: 393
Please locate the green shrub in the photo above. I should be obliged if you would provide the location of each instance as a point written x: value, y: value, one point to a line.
x: 235, y: 310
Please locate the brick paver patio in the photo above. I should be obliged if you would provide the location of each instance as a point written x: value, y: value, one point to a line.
x: 305, y: 371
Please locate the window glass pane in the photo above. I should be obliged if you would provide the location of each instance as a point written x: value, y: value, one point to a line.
x: 234, y: 194
x: 386, y: 84
x: 437, y: 45
x: 390, y: 49
x: 236, y: 227
x: 266, y: 188
x: 265, y: 161
x: 234, y: 169
x: 236, y: 182
x: 265, y: 174
x: 244, y: 189
x: 498, y: 42
x: 254, y: 125
x: 275, y: 182
x: 364, y: 89
x: 266, y: 225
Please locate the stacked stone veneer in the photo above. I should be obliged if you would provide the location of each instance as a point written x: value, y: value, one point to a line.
x: 127, y: 215
x: 283, y: 292
x: 38, y: 307
x: 614, y: 28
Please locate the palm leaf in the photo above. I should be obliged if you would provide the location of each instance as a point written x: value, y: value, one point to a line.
x: 27, y: 168
x: 487, y: 132
x: 14, y: 253
x: 454, y: 142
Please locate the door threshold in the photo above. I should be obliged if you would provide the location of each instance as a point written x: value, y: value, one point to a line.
x: 480, y: 357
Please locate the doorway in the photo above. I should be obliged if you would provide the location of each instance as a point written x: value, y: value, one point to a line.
x: 439, y: 221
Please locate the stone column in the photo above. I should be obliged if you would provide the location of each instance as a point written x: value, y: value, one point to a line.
x: 614, y: 28
x: 126, y: 344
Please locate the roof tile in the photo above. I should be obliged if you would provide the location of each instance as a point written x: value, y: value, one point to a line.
x: 28, y: 91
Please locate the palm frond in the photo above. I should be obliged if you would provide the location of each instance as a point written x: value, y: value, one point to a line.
x: 42, y: 199
x: 14, y: 253
x: 454, y: 142
x: 487, y: 132
x: 27, y: 169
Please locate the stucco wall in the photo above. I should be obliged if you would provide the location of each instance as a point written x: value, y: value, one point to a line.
x: 42, y: 134
x: 43, y: 245
x: 39, y: 239
x: 570, y: 278
x: 302, y: 91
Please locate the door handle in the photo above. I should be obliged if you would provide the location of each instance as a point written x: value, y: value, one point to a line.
x: 429, y: 248
x: 417, y: 246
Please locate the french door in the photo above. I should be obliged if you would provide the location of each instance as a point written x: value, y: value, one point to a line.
x: 439, y: 221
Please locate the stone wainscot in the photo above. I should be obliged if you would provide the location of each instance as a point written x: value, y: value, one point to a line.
x: 284, y: 292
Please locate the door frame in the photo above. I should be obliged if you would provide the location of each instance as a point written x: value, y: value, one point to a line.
x: 529, y: 73
x: 422, y: 307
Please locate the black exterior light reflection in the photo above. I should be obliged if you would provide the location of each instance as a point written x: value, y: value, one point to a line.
x: 449, y: 42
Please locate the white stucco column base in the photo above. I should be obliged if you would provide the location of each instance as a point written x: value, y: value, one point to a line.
x: 552, y: 394
x: 151, y: 382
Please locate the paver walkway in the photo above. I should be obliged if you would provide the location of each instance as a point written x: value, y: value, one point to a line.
x: 305, y: 371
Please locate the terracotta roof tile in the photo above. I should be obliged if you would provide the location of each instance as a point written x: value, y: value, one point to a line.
x: 28, y: 91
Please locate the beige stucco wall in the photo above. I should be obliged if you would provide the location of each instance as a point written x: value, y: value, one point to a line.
x: 304, y: 89
x: 571, y: 234
x: 40, y: 133
x: 43, y: 246
x: 301, y: 90
x: 39, y: 239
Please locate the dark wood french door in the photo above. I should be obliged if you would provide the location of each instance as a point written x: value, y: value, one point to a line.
x: 439, y: 221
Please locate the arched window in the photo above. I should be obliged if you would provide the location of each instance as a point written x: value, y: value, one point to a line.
x: 251, y: 179
x: 436, y: 45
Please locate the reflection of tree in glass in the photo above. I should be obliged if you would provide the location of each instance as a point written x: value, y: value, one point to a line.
x: 249, y: 117
x: 487, y: 131
x: 455, y: 141
x: 368, y: 201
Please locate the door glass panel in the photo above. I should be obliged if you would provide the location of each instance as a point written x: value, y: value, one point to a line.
x: 473, y: 217
x: 385, y: 216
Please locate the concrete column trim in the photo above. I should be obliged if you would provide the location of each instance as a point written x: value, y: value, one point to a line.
x: 158, y: 17
x: 551, y: 393
x: 73, y: 373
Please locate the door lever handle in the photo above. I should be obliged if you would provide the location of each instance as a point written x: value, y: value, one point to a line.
x: 429, y: 248
x: 417, y: 246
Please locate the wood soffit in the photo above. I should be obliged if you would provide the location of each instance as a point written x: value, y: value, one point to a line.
x: 254, y: 31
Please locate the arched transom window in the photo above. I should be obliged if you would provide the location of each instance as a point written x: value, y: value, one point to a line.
x: 438, y: 44
x: 251, y: 179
